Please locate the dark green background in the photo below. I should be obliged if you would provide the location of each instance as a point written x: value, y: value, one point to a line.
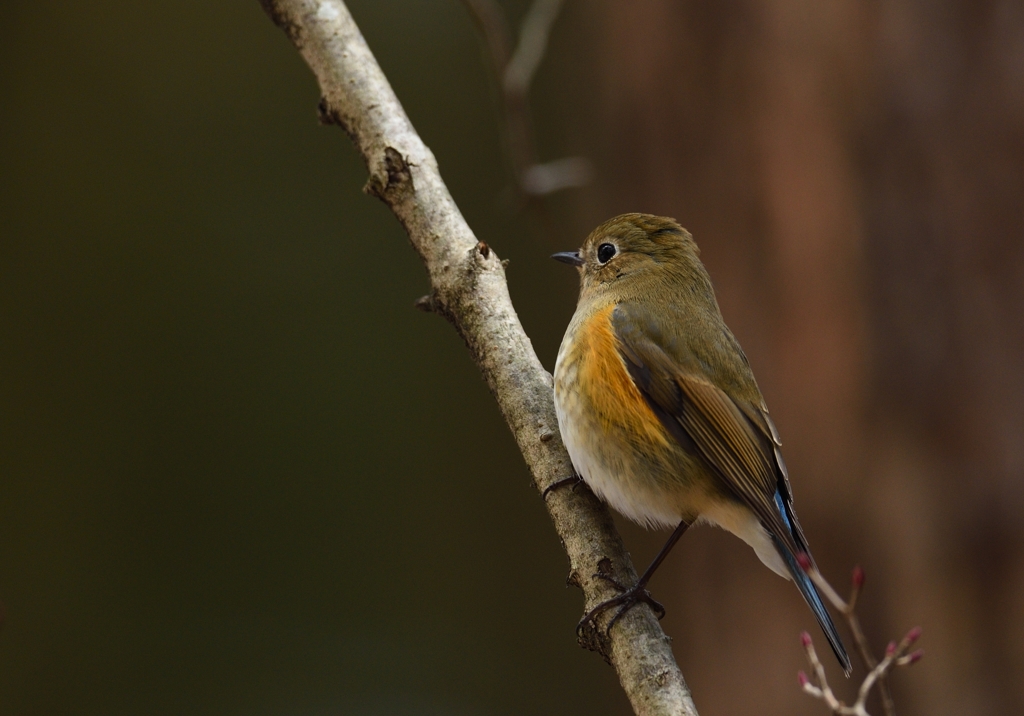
x: 240, y: 474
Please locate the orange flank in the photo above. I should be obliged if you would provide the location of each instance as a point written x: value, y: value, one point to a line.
x: 613, y: 396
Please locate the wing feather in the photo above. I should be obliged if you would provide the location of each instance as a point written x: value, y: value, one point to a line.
x: 737, y: 441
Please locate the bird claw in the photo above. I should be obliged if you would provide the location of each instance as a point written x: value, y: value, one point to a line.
x: 625, y: 601
x: 573, y: 480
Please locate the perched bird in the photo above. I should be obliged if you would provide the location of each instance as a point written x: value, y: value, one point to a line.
x: 659, y: 409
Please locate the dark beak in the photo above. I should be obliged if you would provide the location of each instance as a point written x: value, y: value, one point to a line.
x: 568, y: 257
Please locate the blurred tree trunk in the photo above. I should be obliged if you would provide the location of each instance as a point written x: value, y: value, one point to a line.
x: 854, y: 175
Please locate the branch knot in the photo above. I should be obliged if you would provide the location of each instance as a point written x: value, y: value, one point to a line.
x: 427, y: 304
x: 392, y: 177
x: 326, y: 114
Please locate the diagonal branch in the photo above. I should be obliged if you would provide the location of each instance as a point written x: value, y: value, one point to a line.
x: 469, y: 289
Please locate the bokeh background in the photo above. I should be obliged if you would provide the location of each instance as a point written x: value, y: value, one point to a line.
x: 241, y: 475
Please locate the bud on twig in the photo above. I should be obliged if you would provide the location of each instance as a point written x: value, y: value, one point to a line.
x: 913, y: 657
x: 858, y: 577
x: 877, y: 670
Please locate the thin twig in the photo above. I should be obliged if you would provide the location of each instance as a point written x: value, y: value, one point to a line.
x: 878, y: 671
x: 533, y: 43
x: 490, y: 19
x: 514, y: 72
x: 848, y: 610
x: 469, y: 289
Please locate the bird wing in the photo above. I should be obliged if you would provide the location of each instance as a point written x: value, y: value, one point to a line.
x: 758, y: 416
x: 736, y: 439
x: 714, y: 417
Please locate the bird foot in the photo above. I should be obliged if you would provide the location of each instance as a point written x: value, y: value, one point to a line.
x: 573, y: 480
x: 627, y: 600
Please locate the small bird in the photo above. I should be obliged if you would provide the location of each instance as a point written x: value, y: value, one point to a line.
x: 659, y: 409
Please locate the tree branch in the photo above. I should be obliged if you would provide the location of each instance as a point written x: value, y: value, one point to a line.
x: 469, y: 289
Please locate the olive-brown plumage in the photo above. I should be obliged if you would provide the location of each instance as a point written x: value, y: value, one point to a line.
x: 657, y: 404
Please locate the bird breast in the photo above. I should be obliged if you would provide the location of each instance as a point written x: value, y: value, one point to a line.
x: 616, y: 442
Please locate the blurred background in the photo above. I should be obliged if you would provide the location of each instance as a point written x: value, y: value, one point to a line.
x: 242, y: 475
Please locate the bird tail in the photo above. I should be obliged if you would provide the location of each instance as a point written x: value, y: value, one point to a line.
x: 811, y: 596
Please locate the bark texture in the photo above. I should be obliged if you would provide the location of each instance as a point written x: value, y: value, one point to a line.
x: 469, y: 289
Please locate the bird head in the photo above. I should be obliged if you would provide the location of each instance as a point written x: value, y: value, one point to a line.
x: 634, y: 252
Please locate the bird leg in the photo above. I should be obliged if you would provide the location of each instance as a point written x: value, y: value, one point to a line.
x: 638, y: 592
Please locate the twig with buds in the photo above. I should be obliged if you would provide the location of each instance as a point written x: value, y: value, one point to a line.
x: 878, y: 671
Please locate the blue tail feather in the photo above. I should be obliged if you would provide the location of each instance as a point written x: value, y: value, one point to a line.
x: 810, y: 593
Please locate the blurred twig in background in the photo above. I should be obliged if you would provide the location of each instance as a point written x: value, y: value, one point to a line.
x: 515, y: 70
x: 878, y: 671
x: 469, y: 289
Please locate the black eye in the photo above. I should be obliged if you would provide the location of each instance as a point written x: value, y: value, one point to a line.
x: 605, y: 252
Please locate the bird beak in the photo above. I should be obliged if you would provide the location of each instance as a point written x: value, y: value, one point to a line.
x: 568, y: 257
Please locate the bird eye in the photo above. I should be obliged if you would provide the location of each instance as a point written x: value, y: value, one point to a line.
x: 605, y: 252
